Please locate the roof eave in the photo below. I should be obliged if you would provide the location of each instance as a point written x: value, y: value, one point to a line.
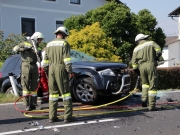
x: 175, y: 13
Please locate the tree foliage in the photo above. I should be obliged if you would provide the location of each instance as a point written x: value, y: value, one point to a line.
x: 121, y: 25
x: 6, y: 45
x: 146, y: 23
x: 93, y: 41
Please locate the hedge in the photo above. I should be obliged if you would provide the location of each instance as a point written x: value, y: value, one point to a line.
x: 168, y: 78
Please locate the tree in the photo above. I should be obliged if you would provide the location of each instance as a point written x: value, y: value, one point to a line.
x: 7, y: 45
x: 93, y: 41
x: 121, y: 25
x: 146, y: 24
x: 114, y: 19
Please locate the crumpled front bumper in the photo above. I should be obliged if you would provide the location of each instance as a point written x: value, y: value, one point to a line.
x: 119, y: 87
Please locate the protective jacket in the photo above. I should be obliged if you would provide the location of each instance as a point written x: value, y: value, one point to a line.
x: 57, y: 56
x: 29, y: 75
x: 144, y: 58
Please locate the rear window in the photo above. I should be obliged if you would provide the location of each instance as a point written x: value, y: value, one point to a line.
x: 18, y: 65
x: 9, y: 64
x: 80, y: 56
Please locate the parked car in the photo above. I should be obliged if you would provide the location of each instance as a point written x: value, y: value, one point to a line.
x: 92, y: 78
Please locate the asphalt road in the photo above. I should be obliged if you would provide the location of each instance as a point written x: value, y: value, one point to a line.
x: 123, y: 118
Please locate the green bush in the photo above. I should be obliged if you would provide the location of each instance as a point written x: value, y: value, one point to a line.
x: 6, y: 45
x: 1, y: 63
x: 168, y: 78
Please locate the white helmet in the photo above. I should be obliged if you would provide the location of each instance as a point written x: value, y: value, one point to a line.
x: 37, y: 35
x: 63, y: 30
x: 141, y: 36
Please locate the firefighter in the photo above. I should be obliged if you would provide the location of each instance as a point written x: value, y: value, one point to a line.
x: 29, y: 74
x: 57, y: 54
x: 43, y: 80
x: 144, y: 58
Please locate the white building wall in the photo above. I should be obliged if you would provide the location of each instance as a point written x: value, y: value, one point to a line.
x: 0, y: 14
x: 45, y: 14
x: 174, y: 49
x: 165, y: 56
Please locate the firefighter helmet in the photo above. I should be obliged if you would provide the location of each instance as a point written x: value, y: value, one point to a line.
x: 37, y: 35
x: 140, y: 36
x: 63, y: 30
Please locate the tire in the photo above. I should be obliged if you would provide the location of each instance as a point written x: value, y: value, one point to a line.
x: 85, y: 92
x: 9, y: 91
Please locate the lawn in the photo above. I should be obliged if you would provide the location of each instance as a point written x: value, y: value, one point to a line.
x: 8, y: 98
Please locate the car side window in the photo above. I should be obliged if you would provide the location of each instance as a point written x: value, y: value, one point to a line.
x: 10, y: 66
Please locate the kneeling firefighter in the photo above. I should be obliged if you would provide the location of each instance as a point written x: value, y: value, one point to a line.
x: 144, y: 62
x: 43, y: 79
x: 29, y: 74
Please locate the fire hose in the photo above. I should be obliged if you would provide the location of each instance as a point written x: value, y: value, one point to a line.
x: 87, y: 108
x: 123, y: 108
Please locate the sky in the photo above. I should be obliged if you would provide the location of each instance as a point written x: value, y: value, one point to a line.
x: 160, y: 10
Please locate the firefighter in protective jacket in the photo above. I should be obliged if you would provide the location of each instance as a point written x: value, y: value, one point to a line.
x: 57, y: 55
x: 29, y: 74
x: 144, y: 62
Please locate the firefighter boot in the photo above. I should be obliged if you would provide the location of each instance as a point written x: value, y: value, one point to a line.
x: 144, y: 97
x: 68, y: 111
x: 72, y: 119
x: 27, y: 108
x: 53, y: 120
x: 53, y: 111
x: 33, y: 103
x: 144, y: 103
x: 152, y: 103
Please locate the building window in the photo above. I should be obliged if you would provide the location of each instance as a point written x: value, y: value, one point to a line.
x: 49, y: 0
x: 28, y: 26
x: 59, y: 23
x: 75, y: 1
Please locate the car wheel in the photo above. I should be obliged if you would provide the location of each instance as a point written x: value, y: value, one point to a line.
x: 84, y: 91
x: 9, y: 91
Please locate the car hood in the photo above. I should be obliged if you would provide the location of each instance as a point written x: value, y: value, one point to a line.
x: 98, y: 64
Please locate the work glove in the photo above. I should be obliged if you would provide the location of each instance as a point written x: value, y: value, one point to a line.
x: 158, y: 55
x: 27, y: 49
x: 71, y: 75
x: 71, y: 79
x: 137, y: 71
x: 46, y: 70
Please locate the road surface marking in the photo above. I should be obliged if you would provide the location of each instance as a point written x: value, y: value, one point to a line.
x: 57, y: 126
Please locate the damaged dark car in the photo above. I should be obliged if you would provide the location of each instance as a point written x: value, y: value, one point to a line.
x: 92, y: 79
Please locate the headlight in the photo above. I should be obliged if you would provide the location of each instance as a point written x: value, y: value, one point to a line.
x: 125, y: 70
x: 107, y: 72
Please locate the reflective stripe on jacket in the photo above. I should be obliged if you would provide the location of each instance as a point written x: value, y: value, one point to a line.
x: 58, y: 52
x: 145, y: 51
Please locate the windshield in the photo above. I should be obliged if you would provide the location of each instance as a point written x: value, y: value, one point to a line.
x: 80, y: 56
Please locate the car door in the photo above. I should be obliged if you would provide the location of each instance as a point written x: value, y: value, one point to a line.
x: 10, y: 65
